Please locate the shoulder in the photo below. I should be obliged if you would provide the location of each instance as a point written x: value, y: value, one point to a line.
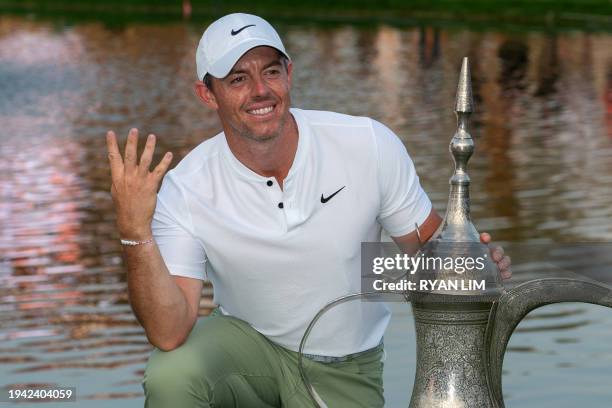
x: 328, y: 119
x: 201, y: 156
x: 332, y: 125
x: 338, y: 129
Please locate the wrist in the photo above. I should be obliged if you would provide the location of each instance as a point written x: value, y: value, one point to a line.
x: 136, y: 235
x: 129, y: 242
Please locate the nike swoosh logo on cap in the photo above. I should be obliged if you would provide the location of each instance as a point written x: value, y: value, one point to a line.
x: 326, y: 199
x: 236, y: 32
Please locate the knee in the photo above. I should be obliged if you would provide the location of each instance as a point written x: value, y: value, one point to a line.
x: 175, y: 374
x: 212, y: 352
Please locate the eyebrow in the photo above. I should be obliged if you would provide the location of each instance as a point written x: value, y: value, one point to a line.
x: 268, y: 65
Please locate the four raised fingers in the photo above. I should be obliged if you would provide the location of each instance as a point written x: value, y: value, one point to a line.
x: 129, y: 161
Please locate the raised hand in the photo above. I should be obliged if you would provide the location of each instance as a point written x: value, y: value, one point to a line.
x: 134, y: 187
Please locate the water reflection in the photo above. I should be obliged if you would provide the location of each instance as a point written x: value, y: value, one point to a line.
x: 542, y: 170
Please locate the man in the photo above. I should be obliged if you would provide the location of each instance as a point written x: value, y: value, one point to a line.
x: 272, y: 211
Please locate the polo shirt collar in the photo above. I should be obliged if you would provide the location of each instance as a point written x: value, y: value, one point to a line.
x: 298, y: 161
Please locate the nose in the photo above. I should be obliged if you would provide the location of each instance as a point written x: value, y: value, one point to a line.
x: 260, y: 87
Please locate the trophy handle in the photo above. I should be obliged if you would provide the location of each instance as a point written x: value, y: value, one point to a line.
x: 512, y: 307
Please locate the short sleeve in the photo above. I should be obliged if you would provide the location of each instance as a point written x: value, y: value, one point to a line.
x: 404, y: 203
x: 171, y: 226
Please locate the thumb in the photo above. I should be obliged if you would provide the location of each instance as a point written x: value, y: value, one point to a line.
x: 485, y: 237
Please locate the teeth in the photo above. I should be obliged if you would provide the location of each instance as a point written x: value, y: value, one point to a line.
x: 261, y: 111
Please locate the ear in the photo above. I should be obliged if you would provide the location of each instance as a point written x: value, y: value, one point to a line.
x: 289, y: 72
x: 206, y: 95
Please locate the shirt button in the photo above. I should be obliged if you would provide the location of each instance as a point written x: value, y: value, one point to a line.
x: 280, y: 205
x: 269, y: 183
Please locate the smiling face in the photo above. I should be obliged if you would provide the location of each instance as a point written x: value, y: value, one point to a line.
x: 253, y: 99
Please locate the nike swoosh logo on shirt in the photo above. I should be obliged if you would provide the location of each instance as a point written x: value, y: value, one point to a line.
x: 236, y: 32
x: 326, y: 199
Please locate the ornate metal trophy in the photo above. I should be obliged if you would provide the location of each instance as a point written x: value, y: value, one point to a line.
x: 462, y: 334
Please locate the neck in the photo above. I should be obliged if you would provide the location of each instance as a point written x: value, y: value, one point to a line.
x: 268, y: 158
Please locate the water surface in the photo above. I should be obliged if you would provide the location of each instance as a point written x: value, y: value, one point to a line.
x: 542, y: 173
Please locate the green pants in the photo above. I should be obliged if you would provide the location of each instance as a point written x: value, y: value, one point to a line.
x: 227, y: 363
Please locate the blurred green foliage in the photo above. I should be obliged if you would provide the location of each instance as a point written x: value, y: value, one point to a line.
x: 583, y: 14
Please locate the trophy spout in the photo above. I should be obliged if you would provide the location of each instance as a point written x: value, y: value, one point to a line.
x: 515, y: 304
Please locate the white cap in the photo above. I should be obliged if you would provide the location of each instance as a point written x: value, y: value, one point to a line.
x: 228, y: 38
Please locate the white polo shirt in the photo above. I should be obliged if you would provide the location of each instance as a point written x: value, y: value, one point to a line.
x: 275, y: 257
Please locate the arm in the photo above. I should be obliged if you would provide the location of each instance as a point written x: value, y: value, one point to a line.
x: 410, y: 243
x: 166, y: 306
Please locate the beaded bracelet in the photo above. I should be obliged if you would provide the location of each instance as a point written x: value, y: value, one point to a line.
x: 130, y: 242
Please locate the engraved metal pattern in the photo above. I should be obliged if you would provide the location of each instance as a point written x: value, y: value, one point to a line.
x: 464, y: 101
x: 451, y: 316
x: 450, y: 370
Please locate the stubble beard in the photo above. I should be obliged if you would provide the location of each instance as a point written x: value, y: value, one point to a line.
x: 247, y: 133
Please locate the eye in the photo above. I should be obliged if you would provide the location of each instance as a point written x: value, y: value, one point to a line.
x: 237, y: 79
x: 273, y: 72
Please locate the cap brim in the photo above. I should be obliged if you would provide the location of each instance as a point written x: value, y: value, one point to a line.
x: 224, y: 65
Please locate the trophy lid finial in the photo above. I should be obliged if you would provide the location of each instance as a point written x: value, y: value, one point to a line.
x: 464, y: 102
